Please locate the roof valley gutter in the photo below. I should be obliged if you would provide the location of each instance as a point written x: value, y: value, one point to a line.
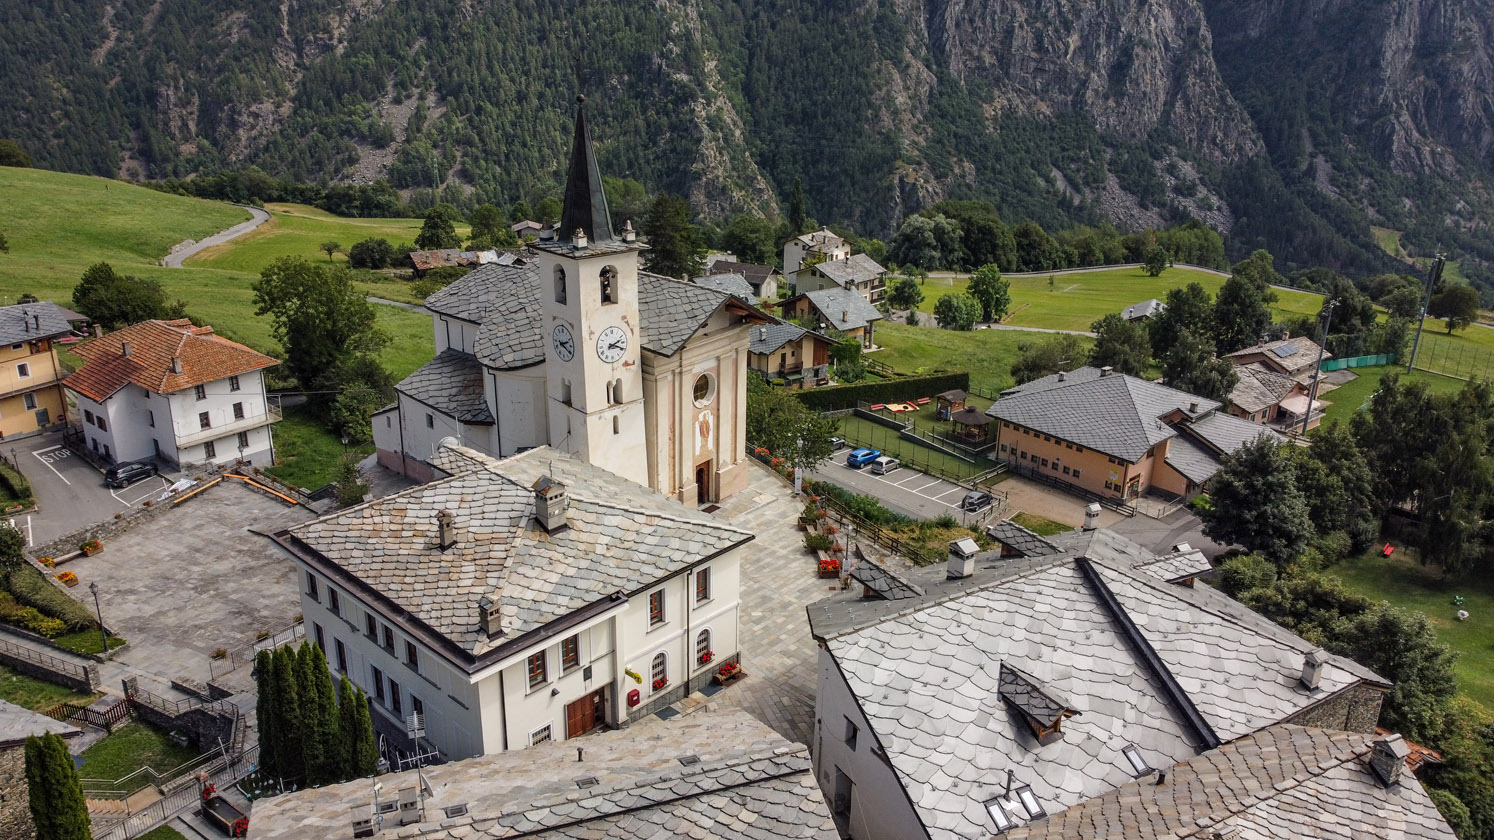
x: 1149, y: 657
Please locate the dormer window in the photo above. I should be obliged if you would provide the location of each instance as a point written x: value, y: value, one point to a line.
x: 1039, y: 707
x: 609, y: 284
x: 560, y: 296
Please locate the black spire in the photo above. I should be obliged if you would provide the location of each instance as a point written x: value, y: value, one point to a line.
x: 585, y: 201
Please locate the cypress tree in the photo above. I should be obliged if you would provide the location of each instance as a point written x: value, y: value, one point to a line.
x: 347, y: 730
x: 265, y: 712
x: 365, y: 751
x: 797, y: 214
x: 289, y: 749
x: 319, y: 731
x: 57, y: 805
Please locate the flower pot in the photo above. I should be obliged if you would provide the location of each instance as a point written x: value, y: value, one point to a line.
x: 73, y: 582
x: 724, y: 681
x: 89, y: 552
x: 830, y: 573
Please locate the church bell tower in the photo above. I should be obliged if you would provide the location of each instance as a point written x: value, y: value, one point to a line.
x: 589, y: 296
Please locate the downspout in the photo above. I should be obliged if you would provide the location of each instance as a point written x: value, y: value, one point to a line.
x: 404, y: 458
x: 502, y: 709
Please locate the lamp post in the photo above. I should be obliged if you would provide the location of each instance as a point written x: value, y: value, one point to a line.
x: 1317, y: 372
x: 344, y: 442
x: 104, y: 634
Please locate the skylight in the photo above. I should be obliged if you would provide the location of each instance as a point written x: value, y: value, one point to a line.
x: 1030, y: 803
x: 1133, y: 757
x: 998, y: 813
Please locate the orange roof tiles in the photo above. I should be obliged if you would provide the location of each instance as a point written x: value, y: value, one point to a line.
x: 205, y: 357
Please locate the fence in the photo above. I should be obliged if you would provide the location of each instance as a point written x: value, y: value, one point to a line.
x: 179, y: 800
x: 1454, y: 357
x: 879, y: 535
x: 1357, y: 361
x: 1114, y: 504
x: 245, y: 655
x: 918, y: 455
x: 105, y: 719
x: 84, y: 678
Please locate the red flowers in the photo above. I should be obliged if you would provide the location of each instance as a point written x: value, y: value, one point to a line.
x: 831, y: 565
x: 707, y: 656
x: 660, y: 683
x: 729, y: 669
x: 209, y: 791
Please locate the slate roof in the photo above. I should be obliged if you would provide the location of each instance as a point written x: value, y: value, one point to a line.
x: 1019, y: 539
x: 822, y: 238
x: 1225, y: 432
x: 756, y: 274
x: 1146, y: 309
x: 1030, y: 696
x: 768, y: 338
x: 504, y: 301
x: 1259, y: 388
x: 1177, y: 566
x: 1289, y: 354
x: 1055, y: 380
x: 1191, y: 459
x: 205, y: 357
x: 18, y: 723
x: 926, y: 672
x: 857, y: 268
x: 1102, y: 544
x: 1116, y: 414
x: 622, y: 538
x: 842, y: 308
x: 885, y: 583
x: 1284, y: 781
x: 452, y: 384
x: 732, y: 284
x: 446, y: 257
x: 32, y: 321
x: 749, y: 783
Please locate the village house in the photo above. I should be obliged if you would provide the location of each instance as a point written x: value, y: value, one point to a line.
x: 1010, y: 687
x: 857, y: 273
x: 1113, y: 436
x: 1273, y: 399
x: 31, y: 394
x: 841, y: 309
x: 519, y: 601
x: 732, y: 284
x: 16, y: 725
x: 580, y: 350
x: 709, y: 776
x: 1144, y: 311
x: 819, y: 245
x: 1294, y: 357
x: 422, y: 262
x: 764, y: 279
x: 526, y: 229
x: 176, y: 392
x: 788, y: 354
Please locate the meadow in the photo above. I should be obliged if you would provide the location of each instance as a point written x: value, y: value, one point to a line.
x: 986, y: 354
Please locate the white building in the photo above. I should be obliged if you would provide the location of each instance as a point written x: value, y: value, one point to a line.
x: 822, y: 242
x: 580, y: 350
x: 519, y: 601
x: 171, y: 391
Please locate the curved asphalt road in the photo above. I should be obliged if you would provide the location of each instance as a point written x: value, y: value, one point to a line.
x: 259, y: 218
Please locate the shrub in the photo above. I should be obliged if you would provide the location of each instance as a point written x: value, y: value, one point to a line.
x: 31, y: 589
x: 13, y: 613
x: 1245, y: 572
x: 836, y: 397
x: 1333, y: 546
x: 818, y: 542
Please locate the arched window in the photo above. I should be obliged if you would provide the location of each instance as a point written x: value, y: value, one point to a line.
x: 610, y: 401
x: 617, y: 391
x: 559, y: 284
x: 609, y: 284
x: 703, y: 652
x: 659, y: 672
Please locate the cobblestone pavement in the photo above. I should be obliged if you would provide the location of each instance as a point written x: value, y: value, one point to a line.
x: 778, y: 580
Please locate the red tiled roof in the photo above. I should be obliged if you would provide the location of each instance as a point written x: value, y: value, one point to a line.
x: 205, y: 357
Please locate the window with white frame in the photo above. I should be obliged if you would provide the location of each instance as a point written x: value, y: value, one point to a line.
x: 703, y: 652
x: 23, y: 370
x: 233, y: 383
x: 540, y: 736
x: 659, y: 671
x: 536, y: 668
x: 570, y: 654
x: 702, y: 585
x: 656, y: 608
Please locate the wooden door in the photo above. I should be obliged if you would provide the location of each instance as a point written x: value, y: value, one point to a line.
x: 585, y: 714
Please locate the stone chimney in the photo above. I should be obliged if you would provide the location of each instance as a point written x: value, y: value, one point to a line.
x: 125, y: 347
x: 629, y: 234
x: 962, y: 558
x: 1312, y: 668
x: 1062, y: 376
x: 176, y: 365
x: 550, y: 504
x: 446, y: 535
x: 25, y: 320
x: 1107, y: 370
x: 98, y: 331
x: 1091, y: 516
x: 845, y: 315
x: 1388, y: 759
x: 487, y: 617
x: 36, y: 321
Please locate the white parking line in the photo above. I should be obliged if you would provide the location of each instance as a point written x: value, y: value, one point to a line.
x: 47, y: 459
x: 149, y: 492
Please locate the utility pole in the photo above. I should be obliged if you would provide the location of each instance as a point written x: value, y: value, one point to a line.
x: 1434, y: 274
x: 1317, y: 372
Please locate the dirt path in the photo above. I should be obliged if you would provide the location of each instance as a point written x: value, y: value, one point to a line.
x: 259, y: 217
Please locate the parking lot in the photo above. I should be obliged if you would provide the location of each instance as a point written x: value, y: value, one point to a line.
x: 70, y: 492
x: 904, y: 490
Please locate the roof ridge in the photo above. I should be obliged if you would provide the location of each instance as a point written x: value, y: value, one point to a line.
x: 726, y: 526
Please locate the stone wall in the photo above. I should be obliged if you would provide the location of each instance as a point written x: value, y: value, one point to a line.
x: 87, y: 682
x: 15, y: 808
x: 206, y: 725
x: 68, y: 545
x: 1356, y: 709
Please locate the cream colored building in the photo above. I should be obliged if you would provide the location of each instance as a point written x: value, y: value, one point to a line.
x: 822, y: 244
x: 31, y: 395
x: 577, y: 348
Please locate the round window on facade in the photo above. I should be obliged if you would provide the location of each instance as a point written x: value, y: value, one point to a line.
x: 705, y: 390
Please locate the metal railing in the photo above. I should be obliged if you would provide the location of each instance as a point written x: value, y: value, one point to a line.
x: 1118, y: 505
x: 51, y: 663
x: 240, y: 656
x: 155, y: 814
x: 272, y: 414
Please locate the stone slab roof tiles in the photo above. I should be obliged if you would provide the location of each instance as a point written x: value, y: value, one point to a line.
x: 1191, y: 459
x: 672, y: 311
x: 1177, y: 566
x: 756, y: 274
x: 1055, y: 380
x: 1145, y: 309
x: 843, y: 309
x: 1282, y: 782
x: 205, y: 357
x: 1259, y: 388
x: 857, y: 268
x: 18, y: 723
x: 1019, y: 539
x: 746, y: 781
x: 1289, y: 354
x: 732, y: 284
x: 32, y: 321
x: 1225, y: 432
x: 768, y: 338
x: 452, y: 384
x: 881, y: 580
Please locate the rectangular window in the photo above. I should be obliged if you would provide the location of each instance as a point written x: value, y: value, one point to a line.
x: 851, y: 733
x: 1133, y: 757
x: 30, y: 401
x: 342, y: 655
x: 321, y: 640
x: 1045, y: 462
x: 233, y: 383
x: 430, y: 420
x: 204, y: 420
x: 150, y: 417
x: 370, y: 626
x: 23, y: 370
x: 1030, y: 803
x: 378, y: 685
x: 394, y: 702
x: 999, y: 816
x: 1024, y: 456
x: 100, y: 422
x: 570, y: 654
x: 656, y: 608
x: 209, y: 450
x: 88, y: 417
x: 238, y: 411
x: 1065, y: 470
x: 388, y: 639
x: 540, y: 736
x: 412, y: 656
x: 1003, y: 448
x: 200, y: 392
x: 333, y: 602
x: 243, y: 440
x: 703, y: 585
x: 417, y: 706
x: 311, y: 588
x: 535, y: 667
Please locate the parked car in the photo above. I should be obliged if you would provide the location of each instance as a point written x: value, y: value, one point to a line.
x: 837, y: 444
x: 885, y: 465
x: 123, y: 475
x: 861, y: 457
x: 975, y: 501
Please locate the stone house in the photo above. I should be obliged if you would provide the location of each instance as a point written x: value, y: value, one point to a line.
x: 1273, y: 399
x: 821, y: 243
x: 764, y: 279
x: 842, y: 309
x: 858, y: 273
x: 1294, y: 357
x: 790, y: 355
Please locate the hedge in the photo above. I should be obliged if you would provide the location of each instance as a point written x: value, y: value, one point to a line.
x: 33, y: 590
x: 27, y: 617
x: 837, y: 397
x: 14, y: 483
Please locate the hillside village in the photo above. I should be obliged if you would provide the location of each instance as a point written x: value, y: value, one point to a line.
x: 637, y: 551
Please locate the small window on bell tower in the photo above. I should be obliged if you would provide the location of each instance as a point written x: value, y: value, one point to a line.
x: 559, y: 284
x: 609, y: 284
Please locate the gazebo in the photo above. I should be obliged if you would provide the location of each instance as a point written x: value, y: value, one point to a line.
x: 948, y: 403
x: 971, y: 425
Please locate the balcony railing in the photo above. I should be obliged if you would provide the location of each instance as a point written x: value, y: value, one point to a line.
x: 272, y: 414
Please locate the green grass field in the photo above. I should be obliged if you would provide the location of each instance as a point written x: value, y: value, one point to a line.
x: 986, y: 354
x: 31, y: 693
x: 1040, y: 525
x: 1348, y: 399
x: 309, y: 453
x: 1077, y: 300
x: 128, y: 749
x: 1399, y: 580
x: 299, y: 230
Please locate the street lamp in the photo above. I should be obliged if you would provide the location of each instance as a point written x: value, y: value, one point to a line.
x: 344, y: 442
x: 1317, y: 372
x: 104, y: 634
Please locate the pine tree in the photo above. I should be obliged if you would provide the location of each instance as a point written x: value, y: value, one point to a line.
x: 289, y: 748
x: 364, y: 750
x: 56, y: 794
x: 318, y: 714
x: 797, y: 214
x: 265, y: 712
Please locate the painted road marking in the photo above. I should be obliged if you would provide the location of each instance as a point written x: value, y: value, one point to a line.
x: 149, y: 492
x: 49, y: 455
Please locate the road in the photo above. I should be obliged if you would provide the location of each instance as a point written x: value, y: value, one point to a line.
x: 387, y: 302
x: 259, y: 218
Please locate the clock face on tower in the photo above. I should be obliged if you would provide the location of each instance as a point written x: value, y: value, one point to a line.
x: 612, y: 344
x: 565, y: 345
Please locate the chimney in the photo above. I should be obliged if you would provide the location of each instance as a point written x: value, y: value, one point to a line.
x: 962, y: 558
x: 176, y: 364
x: 845, y: 315
x: 1193, y: 407
x: 762, y: 333
x: 629, y: 235
x: 98, y: 331
x: 26, y: 320
x: 1091, y: 516
x: 579, y: 238
x: 550, y: 504
x: 1312, y: 668
x: 125, y: 347
x: 1106, y: 370
x: 446, y: 535
x: 1388, y: 759
x: 487, y: 616
x: 37, y: 320
x: 1062, y: 376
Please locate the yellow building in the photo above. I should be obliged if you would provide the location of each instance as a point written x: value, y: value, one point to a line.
x: 31, y: 396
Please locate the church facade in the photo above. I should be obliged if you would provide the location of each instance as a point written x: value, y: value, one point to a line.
x: 574, y: 346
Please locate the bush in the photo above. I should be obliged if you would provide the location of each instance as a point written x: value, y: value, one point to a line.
x: 15, y: 484
x: 1333, y: 546
x: 31, y: 589
x: 836, y: 397
x: 12, y: 612
x: 818, y: 542
x: 1245, y: 572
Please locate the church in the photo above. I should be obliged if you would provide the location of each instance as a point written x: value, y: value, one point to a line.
x: 573, y: 346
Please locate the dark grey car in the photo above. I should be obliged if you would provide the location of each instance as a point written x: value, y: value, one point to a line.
x: 123, y: 475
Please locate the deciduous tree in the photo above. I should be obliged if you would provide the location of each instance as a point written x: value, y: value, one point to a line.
x: 372, y: 252
x: 11, y: 154
x: 1257, y: 504
x: 1242, y: 314
x: 1191, y: 365
x: 1189, y: 309
x: 992, y: 291
x: 317, y: 314
x: 437, y: 231
x: 750, y: 238
x: 905, y: 293
x: 1120, y: 344
x: 1457, y: 305
x: 331, y: 247
x: 1048, y: 356
x: 777, y: 421
x: 118, y: 300
x: 956, y: 311
x: 1154, y: 259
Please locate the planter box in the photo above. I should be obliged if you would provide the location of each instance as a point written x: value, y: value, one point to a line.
x: 89, y: 552
x: 724, y: 681
x: 830, y: 573
x: 69, y: 583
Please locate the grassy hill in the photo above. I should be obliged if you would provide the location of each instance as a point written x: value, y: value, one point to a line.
x: 301, y: 230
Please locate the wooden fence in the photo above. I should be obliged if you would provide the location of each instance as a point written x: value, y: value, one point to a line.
x: 105, y: 719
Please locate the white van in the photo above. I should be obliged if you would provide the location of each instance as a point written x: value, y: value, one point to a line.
x: 885, y: 465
